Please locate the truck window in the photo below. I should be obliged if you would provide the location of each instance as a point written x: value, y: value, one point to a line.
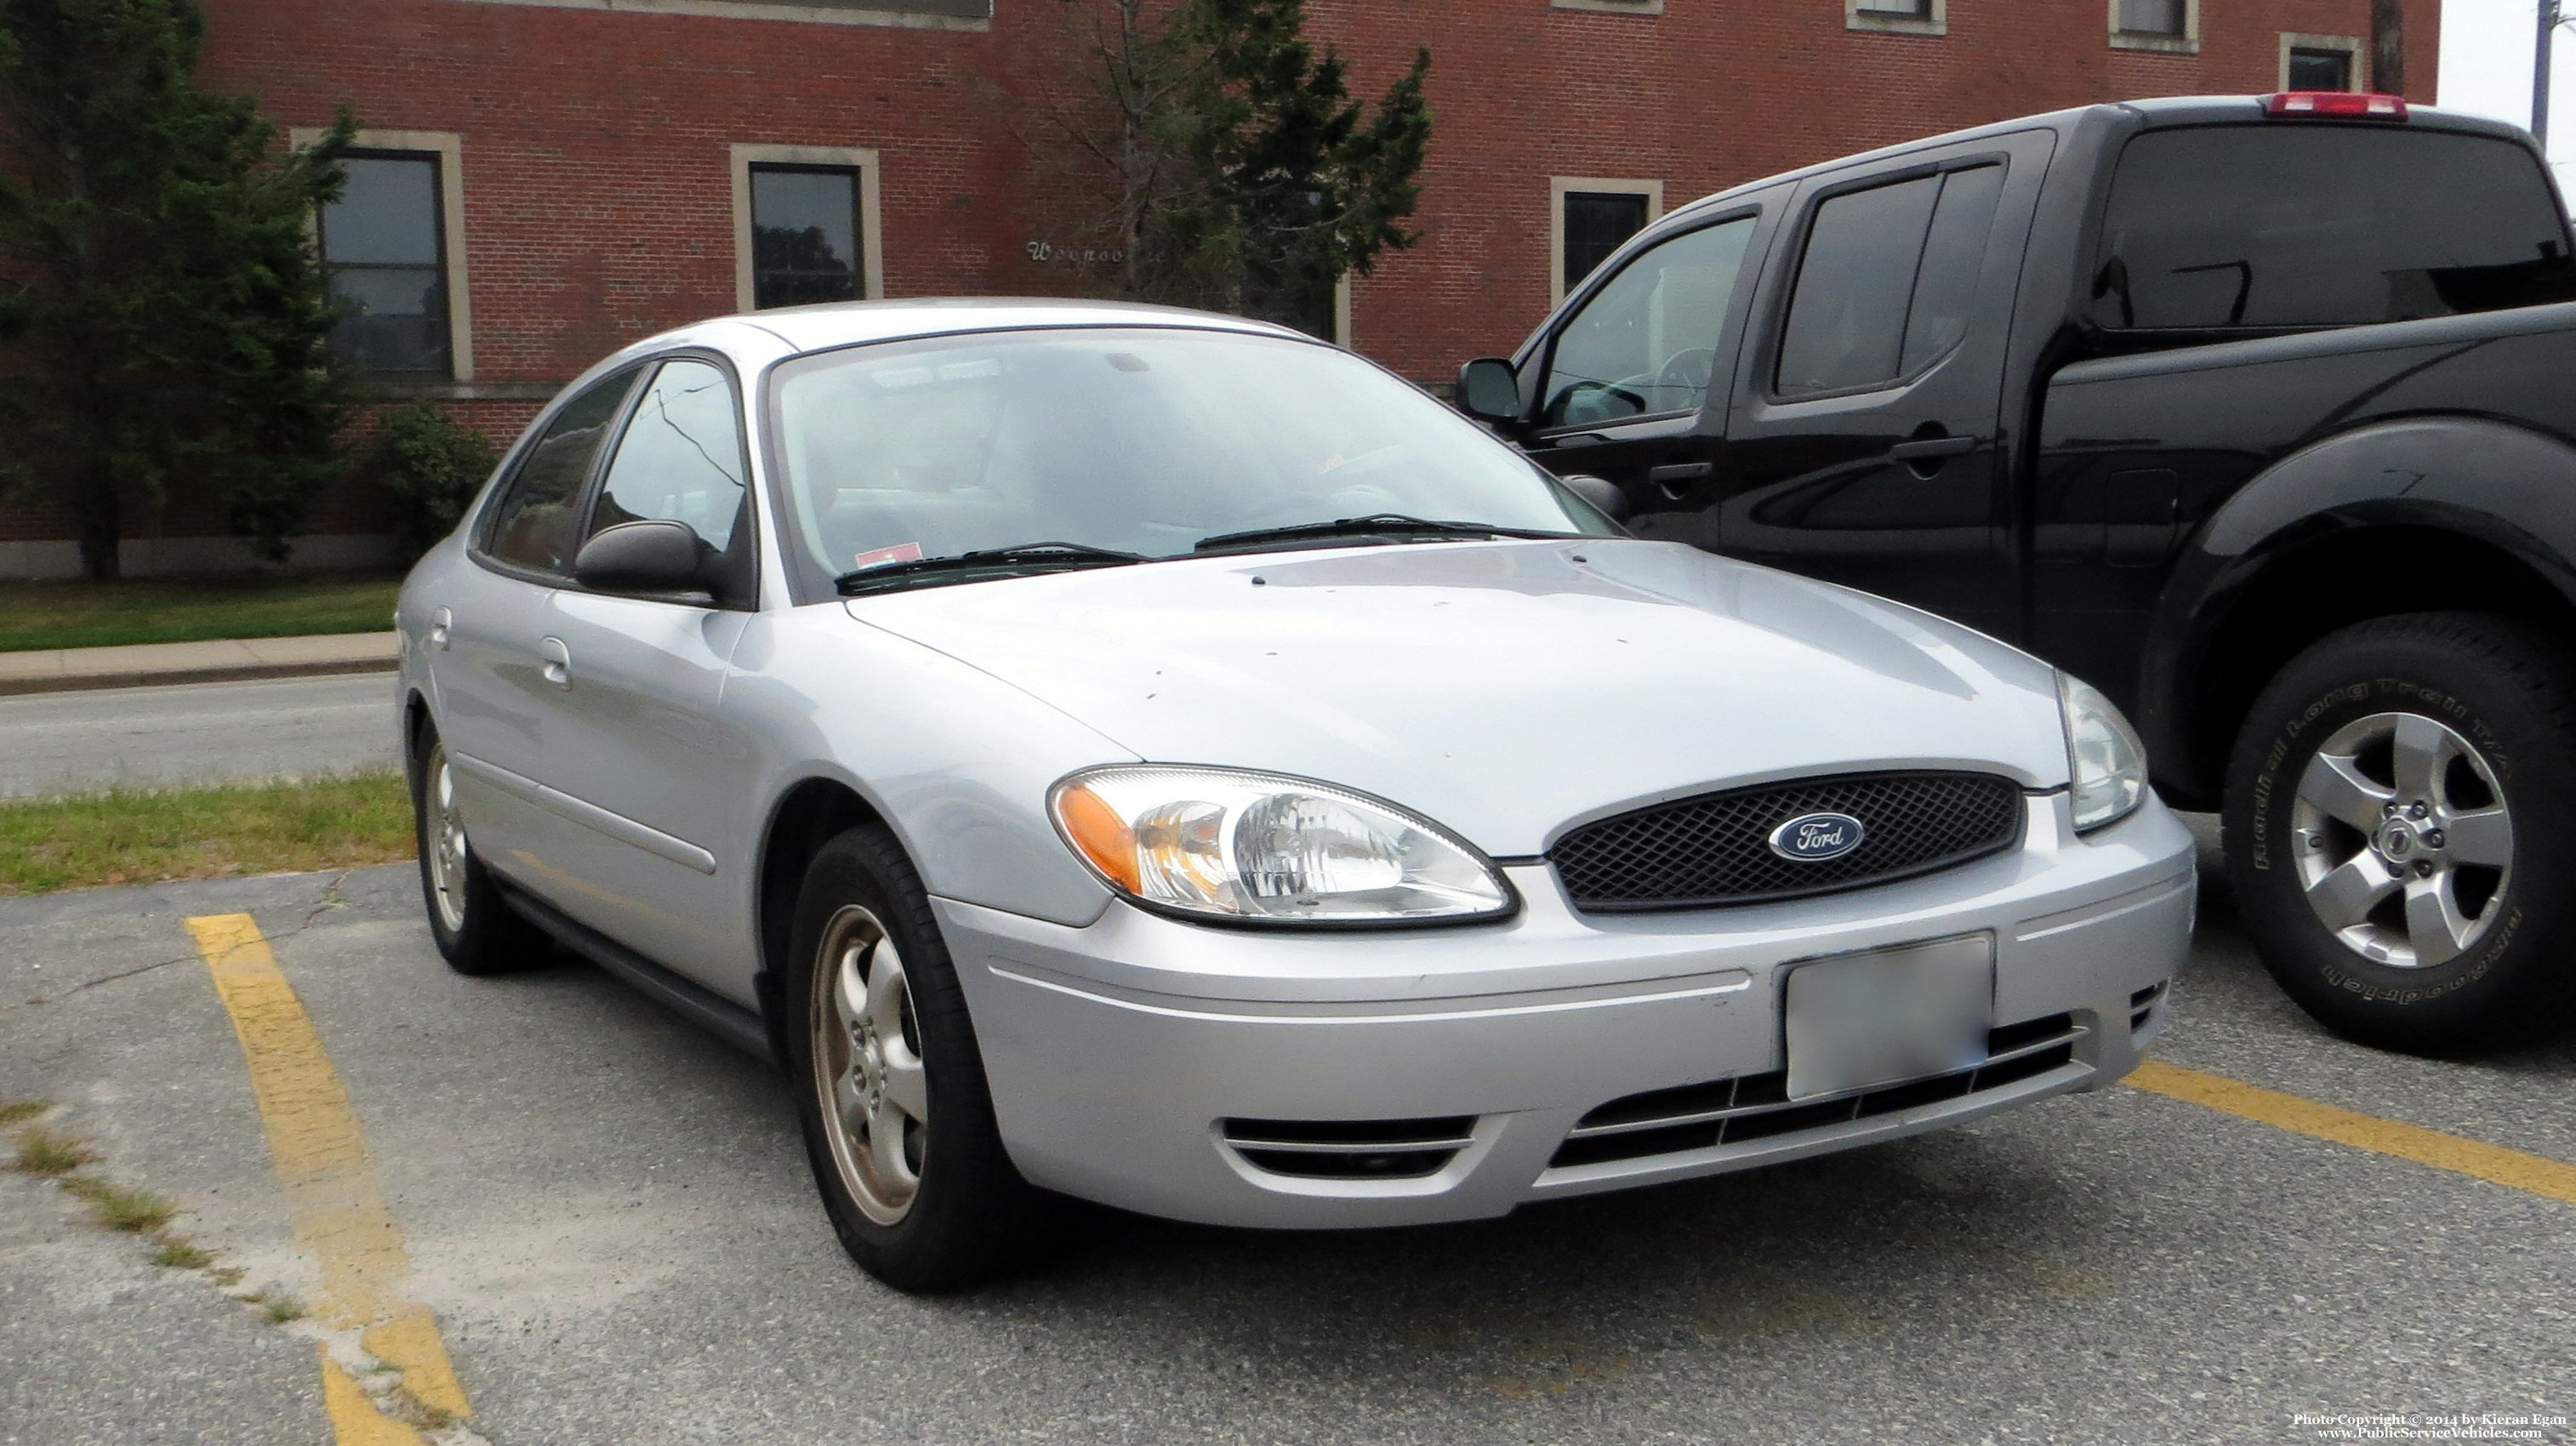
x: 1647, y: 343
x: 1884, y: 288
x: 2293, y: 224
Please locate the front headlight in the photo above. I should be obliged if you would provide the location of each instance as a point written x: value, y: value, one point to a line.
x: 2108, y: 763
x: 1225, y: 843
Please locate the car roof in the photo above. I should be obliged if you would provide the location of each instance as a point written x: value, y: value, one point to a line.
x: 763, y: 336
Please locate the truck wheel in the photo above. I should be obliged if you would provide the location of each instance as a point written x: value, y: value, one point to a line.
x: 2400, y: 827
x: 476, y: 930
x: 889, y: 1082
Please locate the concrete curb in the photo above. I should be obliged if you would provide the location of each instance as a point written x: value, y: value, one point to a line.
x: 223, y: 660
x: 154, y: 678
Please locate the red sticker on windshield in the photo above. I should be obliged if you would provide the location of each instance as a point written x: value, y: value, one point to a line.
x: 900, y: 552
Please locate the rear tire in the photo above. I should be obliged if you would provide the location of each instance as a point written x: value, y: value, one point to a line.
x: 2400, y: 826
x: 889, y: 1083
x: 476, y: 930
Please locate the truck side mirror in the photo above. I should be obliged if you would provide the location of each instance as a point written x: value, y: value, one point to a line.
x: 655, y: 555
x: 1489, y: 389
x: 1601, y: 492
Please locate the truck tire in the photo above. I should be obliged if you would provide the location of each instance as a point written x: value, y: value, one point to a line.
x: 889, y: 1082
x: 2400, y: 830
x: 476, y: 930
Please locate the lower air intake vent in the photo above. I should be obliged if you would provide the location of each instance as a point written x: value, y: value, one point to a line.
x: 1350, y: 1149
x: 2142, y: 1005
x: 1755, y: 1107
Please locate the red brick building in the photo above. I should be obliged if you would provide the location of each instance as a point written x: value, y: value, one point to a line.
x: 549, y: 179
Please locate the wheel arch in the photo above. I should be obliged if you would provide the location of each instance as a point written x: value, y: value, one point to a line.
x: 2438, y: 515
x: 808, y: 815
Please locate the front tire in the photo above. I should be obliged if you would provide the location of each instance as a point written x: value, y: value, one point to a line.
x: 2400, y: 819
x: 475, y: 928
x: 889, y: 1082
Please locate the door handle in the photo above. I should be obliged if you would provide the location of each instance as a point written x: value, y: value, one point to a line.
x: 440, y: 620
x: 1676, y: 478
x: 1933, y: 447
x: 558, y: 661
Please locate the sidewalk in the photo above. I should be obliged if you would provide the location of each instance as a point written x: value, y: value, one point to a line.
x: 228, y: 660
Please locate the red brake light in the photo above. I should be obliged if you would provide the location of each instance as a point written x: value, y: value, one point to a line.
x: 2335, y: 103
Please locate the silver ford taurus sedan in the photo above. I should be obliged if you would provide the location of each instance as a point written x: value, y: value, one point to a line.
x: 1160, y: 759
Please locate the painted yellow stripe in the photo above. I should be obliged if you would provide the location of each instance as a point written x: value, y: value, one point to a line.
x: 333, y: 1199
x: 2537, y: 1174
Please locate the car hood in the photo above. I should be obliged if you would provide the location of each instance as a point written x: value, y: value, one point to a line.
x: 1509, y: 690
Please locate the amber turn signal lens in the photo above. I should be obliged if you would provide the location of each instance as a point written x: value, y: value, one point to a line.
x: 1096, y: 829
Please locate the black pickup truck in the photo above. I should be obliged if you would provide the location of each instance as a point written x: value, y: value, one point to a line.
x: 2258, y: 413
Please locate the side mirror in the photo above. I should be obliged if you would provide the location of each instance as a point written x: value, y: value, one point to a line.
x: 1601, y: 492
x: 1490, y: 389
x: 655, y: 555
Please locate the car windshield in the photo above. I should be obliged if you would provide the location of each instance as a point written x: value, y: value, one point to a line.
x: 1136, y: 440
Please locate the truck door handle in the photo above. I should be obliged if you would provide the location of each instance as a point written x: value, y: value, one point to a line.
x: 1933, y: 447
x: 558, y: 660
x: 1674, y: 480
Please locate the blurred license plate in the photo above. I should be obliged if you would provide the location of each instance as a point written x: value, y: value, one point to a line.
x: 1890, y: 1015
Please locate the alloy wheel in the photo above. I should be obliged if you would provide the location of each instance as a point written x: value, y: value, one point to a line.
x: 446, y: 842
x: 867, y: 1065
x: 2403, y: 839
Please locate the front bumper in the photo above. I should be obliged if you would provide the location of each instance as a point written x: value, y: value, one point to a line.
x: 1119, y: 1052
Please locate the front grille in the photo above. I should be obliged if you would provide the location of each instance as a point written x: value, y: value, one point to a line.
x: 1349, y: 1149
x: 1757, y: 1106
x: 1716, y: 848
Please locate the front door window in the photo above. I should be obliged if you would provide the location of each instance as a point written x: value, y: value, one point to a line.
x: 1646, y: 344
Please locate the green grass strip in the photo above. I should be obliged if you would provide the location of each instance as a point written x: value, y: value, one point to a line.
x: 40, y: 615
x: 138, y: 836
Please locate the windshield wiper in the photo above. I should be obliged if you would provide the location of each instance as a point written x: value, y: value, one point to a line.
x: 1016, y: 560
x: 1381, y: 524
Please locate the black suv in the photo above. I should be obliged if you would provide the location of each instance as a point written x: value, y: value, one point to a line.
x: 2256, y: 412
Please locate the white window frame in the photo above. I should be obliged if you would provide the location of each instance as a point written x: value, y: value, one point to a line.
x: 805, y: 14
x: 1935, y: 22
x: 2187, y: 43
x: 1557, y: 189
x: 871, y: 221
x: 2350, y: 45
x: 449, y: 147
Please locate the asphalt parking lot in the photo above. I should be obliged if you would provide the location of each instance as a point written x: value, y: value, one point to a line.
x: 607, y: 1214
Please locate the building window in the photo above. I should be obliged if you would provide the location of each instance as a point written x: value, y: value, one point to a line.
x: 2156, y: 25
x: 1904, y: 17
x: 385, y: 247
x: 1592, y: 218
x: 805, y: 226
x: 393, y: 246
x: 2321, y: 62
x: 911, y: 14
x: 804, y: 235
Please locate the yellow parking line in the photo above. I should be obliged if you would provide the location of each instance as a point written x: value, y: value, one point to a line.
x: 2537, y: 1174
x: 332, y: 1197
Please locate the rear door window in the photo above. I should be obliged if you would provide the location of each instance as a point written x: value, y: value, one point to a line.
x: 2301, y: 225
x: 1886, y: 283
x: 537, y: 523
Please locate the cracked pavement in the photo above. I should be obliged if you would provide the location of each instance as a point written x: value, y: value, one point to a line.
x: 610, y: 1215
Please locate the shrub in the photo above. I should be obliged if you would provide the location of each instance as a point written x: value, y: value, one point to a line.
x: 433, y: 466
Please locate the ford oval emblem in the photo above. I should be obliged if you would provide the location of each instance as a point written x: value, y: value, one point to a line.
x: 1814, y: 837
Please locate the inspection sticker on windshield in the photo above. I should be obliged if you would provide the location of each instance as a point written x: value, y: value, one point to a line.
x: 1890, y: 1015
x: 900, y: 552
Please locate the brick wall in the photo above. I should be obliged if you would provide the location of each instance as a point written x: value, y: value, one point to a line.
x: 596, y: 142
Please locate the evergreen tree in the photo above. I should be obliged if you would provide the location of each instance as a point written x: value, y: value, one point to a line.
x: 163, y: 316
x: 1241, y: 175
